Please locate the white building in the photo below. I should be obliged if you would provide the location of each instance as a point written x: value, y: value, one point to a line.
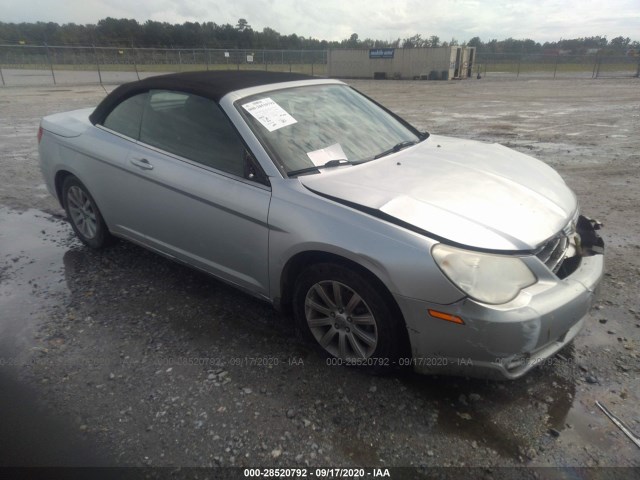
x: 440, y: 63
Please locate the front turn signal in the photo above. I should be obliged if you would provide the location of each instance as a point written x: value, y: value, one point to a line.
x: 446, y: 316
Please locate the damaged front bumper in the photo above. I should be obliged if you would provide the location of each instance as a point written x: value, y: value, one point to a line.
x: 506, y: 341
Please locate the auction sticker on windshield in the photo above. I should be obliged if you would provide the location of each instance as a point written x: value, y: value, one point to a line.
x: 271, y: 115
x: 324, y: 155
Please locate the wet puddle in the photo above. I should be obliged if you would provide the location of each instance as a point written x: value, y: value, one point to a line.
x: 521, y: 419
x: 32, y: 282
x: 32, y: 246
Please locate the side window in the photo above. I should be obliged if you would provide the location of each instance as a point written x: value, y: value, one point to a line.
x: 126, y: 117
x: 192, y: 127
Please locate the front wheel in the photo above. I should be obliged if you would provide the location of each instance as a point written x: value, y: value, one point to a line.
x: 347, y: 316
x: 83, y: 214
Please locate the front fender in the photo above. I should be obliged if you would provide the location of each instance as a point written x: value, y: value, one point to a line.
x: 302, y: 221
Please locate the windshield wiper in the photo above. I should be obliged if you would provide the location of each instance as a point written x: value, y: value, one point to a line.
x: 396, y: 148
x: 316, y: 168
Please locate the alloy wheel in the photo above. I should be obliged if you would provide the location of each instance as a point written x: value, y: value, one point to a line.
x: 82, y: 212
x: 340, y: 320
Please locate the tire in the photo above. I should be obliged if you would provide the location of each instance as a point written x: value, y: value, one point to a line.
x: 84, y: 215
x: 347, y: 317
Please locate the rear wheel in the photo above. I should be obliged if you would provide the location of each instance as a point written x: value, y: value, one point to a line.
x: 347, y: 316
x: 83, y: 214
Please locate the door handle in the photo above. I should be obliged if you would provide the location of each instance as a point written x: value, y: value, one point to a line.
x: 142, y: 163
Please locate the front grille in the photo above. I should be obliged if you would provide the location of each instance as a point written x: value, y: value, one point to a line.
x: 552, y: 253
x: 555, y: 250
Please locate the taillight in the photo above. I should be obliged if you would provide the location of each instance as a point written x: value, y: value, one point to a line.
x: 39, y: 134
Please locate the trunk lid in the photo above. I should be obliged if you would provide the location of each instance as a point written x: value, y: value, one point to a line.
x: 67, y: 124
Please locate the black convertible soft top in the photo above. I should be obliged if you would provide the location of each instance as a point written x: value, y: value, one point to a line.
x: 208, y: 84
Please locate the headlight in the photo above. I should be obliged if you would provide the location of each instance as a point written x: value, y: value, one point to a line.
x: 485, y: 277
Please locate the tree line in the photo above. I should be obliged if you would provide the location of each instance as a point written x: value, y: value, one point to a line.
x: 128, y: 32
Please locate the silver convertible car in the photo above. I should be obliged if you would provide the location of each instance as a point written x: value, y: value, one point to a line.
x: 389, y: 246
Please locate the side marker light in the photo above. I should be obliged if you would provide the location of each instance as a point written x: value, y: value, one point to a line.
x: 446, y: 316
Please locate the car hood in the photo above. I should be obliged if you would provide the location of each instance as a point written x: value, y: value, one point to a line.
x: 480, y: 195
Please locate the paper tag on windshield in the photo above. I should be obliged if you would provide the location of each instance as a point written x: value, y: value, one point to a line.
x: 324, y: 155
x: 271, y: 115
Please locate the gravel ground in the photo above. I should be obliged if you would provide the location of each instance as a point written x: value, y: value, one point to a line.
x: 121, y: 357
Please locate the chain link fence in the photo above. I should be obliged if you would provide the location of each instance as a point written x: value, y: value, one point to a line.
x: 515, y: 66
x: 38, y: 65
x: 59, y: 65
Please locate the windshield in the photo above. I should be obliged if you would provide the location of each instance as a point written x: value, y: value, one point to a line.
x: 323, y: 125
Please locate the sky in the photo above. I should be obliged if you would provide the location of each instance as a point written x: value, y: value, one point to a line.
x: 540, y: 20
